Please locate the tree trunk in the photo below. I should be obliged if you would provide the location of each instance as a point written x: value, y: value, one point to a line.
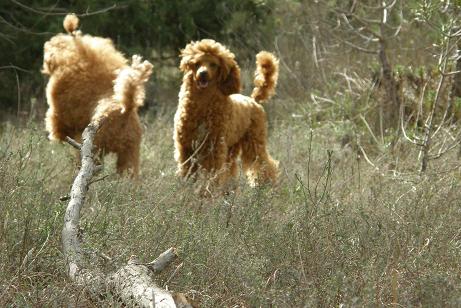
x: 391, y: 105
x: 456, y: 85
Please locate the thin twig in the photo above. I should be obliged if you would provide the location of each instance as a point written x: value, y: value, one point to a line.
x: 99, y: 179
x: 73, y: 143
x: 173, y: 274
x: 19, y: 91
x: 366, y: 157
x: 14, y: 67
x: 414, y: 141
x: 56, y: 12
x: 369, y: 129
x: 196, y: 151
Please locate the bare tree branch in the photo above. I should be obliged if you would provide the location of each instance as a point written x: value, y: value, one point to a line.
x: 51, y: 11
x: 60, y: 12
x: 73, y: 143
x: 365, y: 50
x: 14, y: 67
x: 22, y: 29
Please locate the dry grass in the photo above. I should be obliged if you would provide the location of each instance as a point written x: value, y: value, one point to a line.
x: 336, y: 230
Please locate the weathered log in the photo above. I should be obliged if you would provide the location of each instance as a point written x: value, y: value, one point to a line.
x: 131, y: 284
x: 74, y: 258
x: 134, y: 286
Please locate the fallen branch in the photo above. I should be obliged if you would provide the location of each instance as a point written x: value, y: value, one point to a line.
x: 71, y: 244
x: 132, y: 284
x: 73, y: 143
x: 163, y: 260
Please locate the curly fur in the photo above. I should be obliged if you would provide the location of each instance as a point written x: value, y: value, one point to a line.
x: 90, y: 78
x: 214, y: 125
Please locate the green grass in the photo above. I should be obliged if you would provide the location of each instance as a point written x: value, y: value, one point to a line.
x: 335, y: 231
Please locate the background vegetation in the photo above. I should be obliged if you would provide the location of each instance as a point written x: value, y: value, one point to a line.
x: 365, y: 125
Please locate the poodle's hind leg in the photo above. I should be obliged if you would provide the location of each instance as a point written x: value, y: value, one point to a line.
x: 232, y: 164
x: 54, y: 126
x: 232, y: 167
x: 259, y: 166
x: 128, y: 161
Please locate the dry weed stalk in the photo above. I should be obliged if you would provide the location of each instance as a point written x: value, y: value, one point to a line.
x: 431, y: 128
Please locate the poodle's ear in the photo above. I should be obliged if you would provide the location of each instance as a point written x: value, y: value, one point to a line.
x: 48, y: 62
x: 187, y: 58
x: 186, y: 63
x: 47, y: 68
x: 230, y: 79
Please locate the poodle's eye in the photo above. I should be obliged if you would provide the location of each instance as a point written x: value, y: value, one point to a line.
x: 197, y: 65
x: 213, y: 65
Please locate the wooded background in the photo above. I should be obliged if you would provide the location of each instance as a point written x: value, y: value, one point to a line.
x: 321, y: 44
x: 365, y: 124
x: 155, y: 29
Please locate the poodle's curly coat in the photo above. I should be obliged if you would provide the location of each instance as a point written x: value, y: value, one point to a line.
x: 89, y: 78
x: 214, y: 125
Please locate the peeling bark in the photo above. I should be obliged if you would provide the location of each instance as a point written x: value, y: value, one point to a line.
x: 134, y: 286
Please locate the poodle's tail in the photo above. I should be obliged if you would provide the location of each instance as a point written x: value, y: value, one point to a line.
x: 129, y: 84
x: 70, y: 23
x: 266, y: 75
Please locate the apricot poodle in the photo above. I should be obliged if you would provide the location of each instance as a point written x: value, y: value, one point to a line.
x: 214, y: 125
x: 89, y: 78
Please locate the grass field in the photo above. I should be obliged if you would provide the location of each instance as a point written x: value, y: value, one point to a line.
x: 352, y: 223
x: 336, y: 231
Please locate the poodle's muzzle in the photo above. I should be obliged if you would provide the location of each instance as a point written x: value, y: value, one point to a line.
x: 202, y: 79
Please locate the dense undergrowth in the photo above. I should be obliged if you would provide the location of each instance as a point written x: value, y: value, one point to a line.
x: 355, y: 221
x: 336, y: 230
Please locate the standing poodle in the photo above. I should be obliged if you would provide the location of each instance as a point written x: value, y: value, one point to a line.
x: 214, y: 125
x: 89, y: 78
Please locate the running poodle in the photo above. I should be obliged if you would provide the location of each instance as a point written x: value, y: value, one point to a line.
x: 214, y: 125
x: 89, y: 78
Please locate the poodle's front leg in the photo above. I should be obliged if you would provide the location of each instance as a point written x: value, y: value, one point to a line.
x: 215, y: 160
x: 184, y: 159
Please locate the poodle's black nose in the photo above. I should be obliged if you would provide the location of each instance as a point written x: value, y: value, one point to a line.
x: 203, y: 75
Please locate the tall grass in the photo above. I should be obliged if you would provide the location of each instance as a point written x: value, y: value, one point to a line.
x: 351, y: 223
x: 335, y: 231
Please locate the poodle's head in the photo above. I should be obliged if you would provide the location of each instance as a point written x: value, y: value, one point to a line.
x: 65, y: 50
x: 55, y: 51
x: 211, y: 65
x: 59, y: 45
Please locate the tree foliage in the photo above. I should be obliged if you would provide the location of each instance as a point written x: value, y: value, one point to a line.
x: 146, y: 27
